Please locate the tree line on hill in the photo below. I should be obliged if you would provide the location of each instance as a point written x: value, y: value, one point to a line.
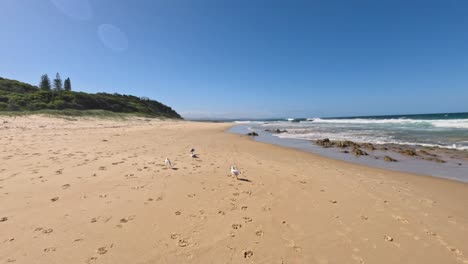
x: 57, y: 84
x: 55, y: 95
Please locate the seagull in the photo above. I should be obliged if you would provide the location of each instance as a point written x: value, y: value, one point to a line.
x: 234, y: 171
x: 167, y: 162
x: 193, y: 155
x: 192, y: 150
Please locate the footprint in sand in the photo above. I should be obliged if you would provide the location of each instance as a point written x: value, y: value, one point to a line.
x: 66, y: 186
x: 248, y: 253
x: 221, y: 212
x: 259, y: 233
x: 388, y: 238
x: 182, y: 243
x: 177, y: 213
x: 49, y: 249
x: 236, y: 226
x: 247, y: 219
x: 243, y: 208
x: 101, y: 250
x: 3, y: 219
x: 400, y: 219
x: 54, y: 199
x: 127, y: 219
x: 47, y: 231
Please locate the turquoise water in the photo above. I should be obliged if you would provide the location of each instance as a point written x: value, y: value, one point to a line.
x: 446, y: 130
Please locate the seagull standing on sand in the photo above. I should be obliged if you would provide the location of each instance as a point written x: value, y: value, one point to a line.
x: 234, y: 171
x: 168, y: 163
x: 193, y: 155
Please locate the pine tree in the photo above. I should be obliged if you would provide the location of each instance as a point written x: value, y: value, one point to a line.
x: 67, y: 84
x: 45, y: 83
x: 57, y: 82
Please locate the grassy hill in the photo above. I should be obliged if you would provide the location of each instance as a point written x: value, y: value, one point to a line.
x: 19, y: 96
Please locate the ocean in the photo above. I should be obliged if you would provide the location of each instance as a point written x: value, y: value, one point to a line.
x: 447, y: 133
x: 446, y: 130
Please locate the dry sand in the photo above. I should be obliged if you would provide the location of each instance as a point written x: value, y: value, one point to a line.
x: 97, y: 191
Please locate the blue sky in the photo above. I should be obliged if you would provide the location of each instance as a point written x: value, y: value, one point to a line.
x: 245, y: 58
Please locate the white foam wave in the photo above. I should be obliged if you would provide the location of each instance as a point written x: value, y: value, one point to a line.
x: 360, y: 138
x: 441, y: 123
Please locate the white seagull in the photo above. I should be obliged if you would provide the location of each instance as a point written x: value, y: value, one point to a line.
x: 235, y: 171
x: 168, y: 163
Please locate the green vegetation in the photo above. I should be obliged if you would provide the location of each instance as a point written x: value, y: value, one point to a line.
x: 21, y: 97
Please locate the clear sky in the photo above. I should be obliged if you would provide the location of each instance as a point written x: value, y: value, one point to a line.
x: 248, y: 58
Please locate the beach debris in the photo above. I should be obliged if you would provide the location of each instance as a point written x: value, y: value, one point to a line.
x: 168, y: 163
x: 252, y: 134
x: 389, y: 159
x: 234, y: 171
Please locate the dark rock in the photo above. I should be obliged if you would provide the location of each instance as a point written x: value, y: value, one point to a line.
x: 408, y: 152
x: 346, y: 144
x: 368, y: 146
x: 435, y: 160
x: 277, y: 131
x: 389, y: 159
x: 359, y: 152
x: 253, y: 134
x: 427, y: 153
x: 326, y: 143
x: 345, y: 151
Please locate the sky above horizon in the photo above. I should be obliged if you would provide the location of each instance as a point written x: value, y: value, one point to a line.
x: 248, y: 59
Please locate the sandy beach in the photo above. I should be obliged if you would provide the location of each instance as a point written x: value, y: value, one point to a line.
x: 97, y: 191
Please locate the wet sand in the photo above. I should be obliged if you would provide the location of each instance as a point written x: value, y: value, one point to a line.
x: 97, y: 191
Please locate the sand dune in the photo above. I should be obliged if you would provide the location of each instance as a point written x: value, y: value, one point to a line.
x: 97, y: 191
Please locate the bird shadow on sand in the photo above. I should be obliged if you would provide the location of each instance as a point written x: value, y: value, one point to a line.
x: 244, y: 179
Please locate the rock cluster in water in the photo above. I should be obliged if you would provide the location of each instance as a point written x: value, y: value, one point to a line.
x: 359, y: 149
x: 252, y: 134
x: 276, y: 131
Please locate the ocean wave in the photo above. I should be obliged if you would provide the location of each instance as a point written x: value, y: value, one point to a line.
x: 364, y: 139
x: 440, y: 123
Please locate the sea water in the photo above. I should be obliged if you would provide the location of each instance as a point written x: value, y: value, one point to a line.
x: 447, y: 130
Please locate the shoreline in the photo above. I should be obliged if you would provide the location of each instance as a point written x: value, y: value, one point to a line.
x: 350, y: 163
x: 440, y: 163
x: 97, y: 191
